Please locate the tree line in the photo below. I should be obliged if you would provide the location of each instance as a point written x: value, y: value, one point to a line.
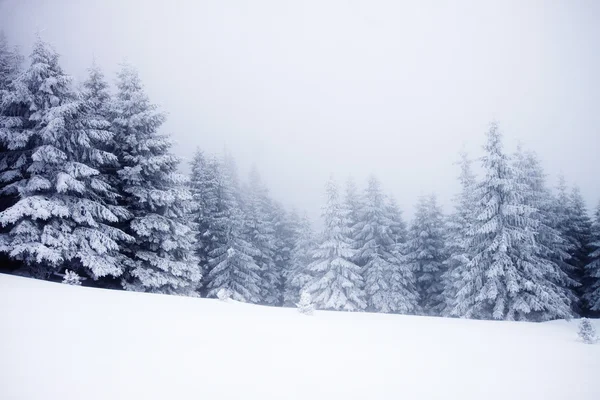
x: 89, y: 186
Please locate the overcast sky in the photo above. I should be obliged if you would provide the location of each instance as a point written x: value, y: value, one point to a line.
x: 304, y: 89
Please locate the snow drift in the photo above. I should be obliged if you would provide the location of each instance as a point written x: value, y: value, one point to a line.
x: 64, y: 342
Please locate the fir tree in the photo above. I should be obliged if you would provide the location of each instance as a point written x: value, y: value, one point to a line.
x: 231, y: 261
x: 13, y: 116
x: 586, y: 332
x: 65, y: 214
x: 71, y: 278
x: 592, y: 289
x: 305, y: 305
x: 10, y: 64
x: 578, y: 233
x: 352, y: 205
x: 161, y: 259
x: 297, y: 275
x: 285, y: 228
x: 203, y: 185
x: 426, y: 254
x: 337, y: 283
x: 389, y: 283
x: 259, y: 231
x: 460, y: 223
x: 506, y: 277
x: 551, y: 247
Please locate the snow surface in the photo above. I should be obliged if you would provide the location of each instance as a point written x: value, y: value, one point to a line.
x: 68, y: 342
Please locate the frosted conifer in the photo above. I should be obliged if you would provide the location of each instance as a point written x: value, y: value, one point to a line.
x: 389, y: 281
x: 587, y: 332
x: 297, y: 274
x: 506, y: 277
x: 71, y: 278
x: 425, y: 253
x: 337, y: 283
x: 460, y: 223
x: 259, y: 231
x: 231, y: 261
x: 64, y: 216
x: 592, y: 289
x: 161, y: 259
x: 305, y: 305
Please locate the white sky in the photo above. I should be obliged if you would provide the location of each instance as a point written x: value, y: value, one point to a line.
x: 307, y: 88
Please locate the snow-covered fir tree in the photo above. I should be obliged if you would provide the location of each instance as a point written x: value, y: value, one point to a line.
x: 592, y: 289
x: 337, y: 283
x: 389, y: 282
x: 204, y: 186
x: 587, y: 332
x: 71, y: 278
x: 398, y: 230
x: 551, y: 246
x: 10, y: 63
x: 305, y: 305
x: 285, y: 227
x: 352, y: 204
x: 506, y: 277
x: 297, y: 274
x: 578, y: 233
x: 259, y: 231
x: 231, y: 261
x: 459, y: 224
x: 65, y: 214
x: 13, y: 115
x: 425, y: 252
x: 161, y: 259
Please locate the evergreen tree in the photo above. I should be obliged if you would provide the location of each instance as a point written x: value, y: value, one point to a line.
x: 389, y: 283
x: 550, y: 245
x: 460, y: 223
x: 398, y: 230
x: 587, y: 332
x: 65, y: 212
x: 231, y: 261
x: 259, y: 231
x: 352, y: 205
x: 426, y: 254
x: 297, y: 275
x: 10, y: 64
x: 161, y: 259
x: 506, y: 277
x: 203, y: 185
x: 305, y: 305
x: 285, y: 228
x: 13, y: 116
x: 592, y: 289
x: 337, y: 283
x: 578, y: 233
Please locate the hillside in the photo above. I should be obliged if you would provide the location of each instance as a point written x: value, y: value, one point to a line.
x: 59, y: 342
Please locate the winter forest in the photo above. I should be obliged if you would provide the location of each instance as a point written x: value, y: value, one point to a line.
x: 91, y: 194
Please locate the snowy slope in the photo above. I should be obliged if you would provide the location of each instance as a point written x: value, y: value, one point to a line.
x: 59, y: 342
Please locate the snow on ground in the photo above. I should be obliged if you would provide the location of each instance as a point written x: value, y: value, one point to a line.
x: 60, y: 342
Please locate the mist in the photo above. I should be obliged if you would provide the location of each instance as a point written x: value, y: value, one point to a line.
x: 304, y: 90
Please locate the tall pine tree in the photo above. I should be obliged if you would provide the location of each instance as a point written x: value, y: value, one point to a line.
x: 65, y: 214
x: 592, y: 288
x: 389, y: 282
x: 506, y: 277
x: 161, y: 259
x: 426, y: 254
x: 297, y: 275
x: 259, y: 230
x: 460, y: 223
x: 337, y: 283
x: 231, y: 263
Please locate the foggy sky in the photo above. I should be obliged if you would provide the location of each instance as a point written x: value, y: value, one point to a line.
x: 305, y: 89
